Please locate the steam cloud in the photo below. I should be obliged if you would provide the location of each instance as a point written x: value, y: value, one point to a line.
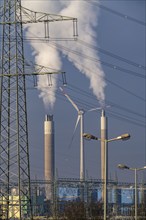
x: 87, y: 16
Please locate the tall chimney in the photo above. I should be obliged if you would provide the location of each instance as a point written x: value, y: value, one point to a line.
x: 49, y: 154
x: 104, y: 136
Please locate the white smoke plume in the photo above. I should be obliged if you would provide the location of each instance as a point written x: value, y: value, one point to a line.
x: 87, y: 16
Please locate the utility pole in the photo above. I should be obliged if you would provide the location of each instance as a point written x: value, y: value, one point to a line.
x: 14, y: 147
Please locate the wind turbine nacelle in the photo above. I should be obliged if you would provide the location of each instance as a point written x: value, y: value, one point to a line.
x: 81, y: 112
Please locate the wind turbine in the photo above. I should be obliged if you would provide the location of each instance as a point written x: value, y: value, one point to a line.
x: 81, y: 119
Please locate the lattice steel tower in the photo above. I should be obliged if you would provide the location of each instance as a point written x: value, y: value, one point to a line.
x: 15, y: 199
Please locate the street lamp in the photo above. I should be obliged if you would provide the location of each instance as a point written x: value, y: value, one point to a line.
x: 123, y: 166
x: 88, y: 136
x: 121, y: 137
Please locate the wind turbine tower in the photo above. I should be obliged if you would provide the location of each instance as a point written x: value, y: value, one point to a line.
x: 81, y: 119
x: 14, y: 149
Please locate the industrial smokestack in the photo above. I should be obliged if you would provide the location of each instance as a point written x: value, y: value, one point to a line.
x: 49, y: 154
x: 104, y: 152
x: 104, y: 137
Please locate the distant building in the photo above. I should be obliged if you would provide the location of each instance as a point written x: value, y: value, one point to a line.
x: 14, y: 206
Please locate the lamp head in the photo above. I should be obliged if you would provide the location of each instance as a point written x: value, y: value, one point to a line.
x: 123, y: 137
x: 89, y: 136
x: 122, y: 166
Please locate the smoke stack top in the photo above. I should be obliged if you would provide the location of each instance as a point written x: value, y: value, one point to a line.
x: 48, y: 117
x: 103, y: 113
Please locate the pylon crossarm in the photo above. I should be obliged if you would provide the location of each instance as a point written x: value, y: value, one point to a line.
x: 42, y: 70
x: 35, y: 70
x: 29, y: 16
x: 32, y: 74
x: 36, y: 74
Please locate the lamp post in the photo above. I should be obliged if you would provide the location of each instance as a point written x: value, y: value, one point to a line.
x: 123, y: 166
x: 121, y: 137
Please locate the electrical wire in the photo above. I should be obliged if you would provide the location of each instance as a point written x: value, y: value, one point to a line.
x: 100, y: 50
x: 114, y: 12
x: 109, y: 65
x: 120, y: 107
x: 87, y: 45
x: 86, y: 104
x: 105, y: 8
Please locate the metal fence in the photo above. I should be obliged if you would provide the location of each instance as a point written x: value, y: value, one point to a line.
x: 74, y: 199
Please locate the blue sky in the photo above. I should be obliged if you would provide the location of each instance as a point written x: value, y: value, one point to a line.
x: 120, y: 38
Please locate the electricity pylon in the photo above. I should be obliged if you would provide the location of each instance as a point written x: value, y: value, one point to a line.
x: 15, y: 190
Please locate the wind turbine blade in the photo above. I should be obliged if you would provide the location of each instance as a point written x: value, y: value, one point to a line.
x: 99, y: 108
x: 71, y: 101
x: 76, y: 125
x: 107, y: 106
x: 94, y: 109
